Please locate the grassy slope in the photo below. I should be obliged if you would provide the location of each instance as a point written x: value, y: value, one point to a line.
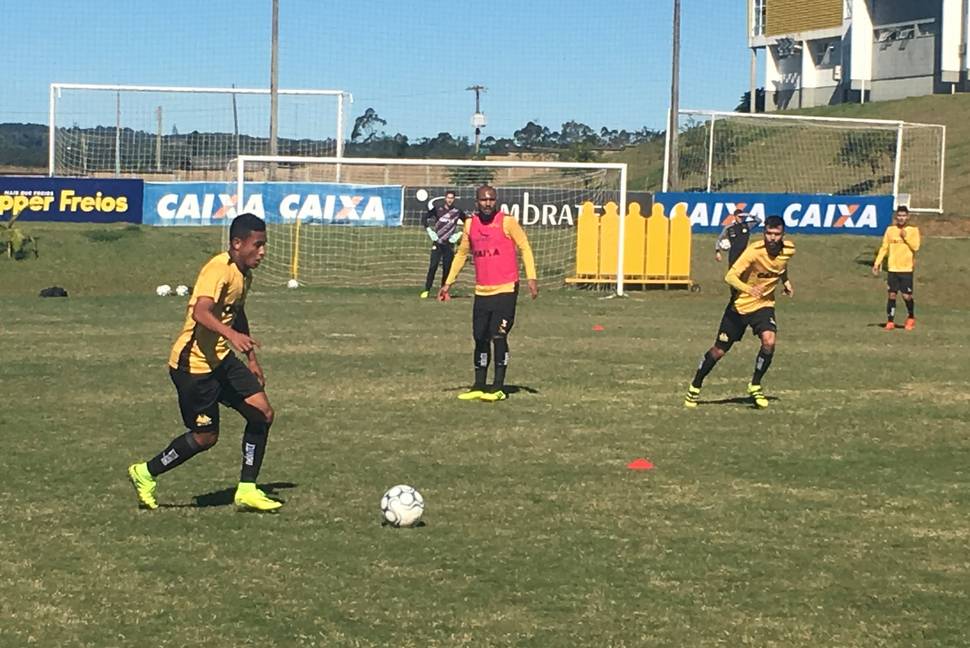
x: 647, y: 160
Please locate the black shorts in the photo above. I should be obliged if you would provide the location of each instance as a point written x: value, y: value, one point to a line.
x: 733, y: 325
x: 901, y: 282
x: 494, y: 315
x: 200, y: 394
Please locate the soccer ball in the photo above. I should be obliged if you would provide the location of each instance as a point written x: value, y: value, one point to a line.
x: 164, y: 290
x: 292, y: 283
x: 181, y: 290
x: 724, y: 244
x: 402, y: 506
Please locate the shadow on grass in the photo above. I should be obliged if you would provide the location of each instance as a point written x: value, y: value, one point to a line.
x: 224, y: 496
x: 508, y: 389
x: 735, y: 400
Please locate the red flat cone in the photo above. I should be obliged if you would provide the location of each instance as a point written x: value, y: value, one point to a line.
x: 640, y: 464
x: 598, y: 327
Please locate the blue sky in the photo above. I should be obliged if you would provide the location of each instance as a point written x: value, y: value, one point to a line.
x: 603, y: 63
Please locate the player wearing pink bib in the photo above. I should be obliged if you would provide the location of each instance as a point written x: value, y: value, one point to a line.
x: 492, y: 237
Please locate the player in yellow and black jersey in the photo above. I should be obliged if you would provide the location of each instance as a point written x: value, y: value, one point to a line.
x: 756, y: 276
x: 901, y: 242
x: 206, y: 372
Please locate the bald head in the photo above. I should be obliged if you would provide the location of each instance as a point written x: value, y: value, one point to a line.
x: 486, y: 196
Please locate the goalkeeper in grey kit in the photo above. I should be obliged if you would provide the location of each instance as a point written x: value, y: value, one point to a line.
x: 443, y: 223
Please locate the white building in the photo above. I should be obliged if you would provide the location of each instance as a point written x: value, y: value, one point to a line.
x: 820, y: 52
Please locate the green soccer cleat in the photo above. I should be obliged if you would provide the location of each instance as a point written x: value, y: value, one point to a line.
x: 144, y: 485
x: 693, y: 394
x: 250, y: 498
x: 472, y: 394
x: 491, y: 397
x: 424, y: 294
x: 757, y: 396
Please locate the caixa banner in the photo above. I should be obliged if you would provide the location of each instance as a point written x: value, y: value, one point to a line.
x: 213, y: 203
x: 531, y: 206
x: 71, y: 200
x: 803, y: 213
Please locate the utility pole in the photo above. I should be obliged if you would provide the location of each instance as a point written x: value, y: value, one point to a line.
x: 478, y: 119
x: 274, y: 97
x: 673, y: 162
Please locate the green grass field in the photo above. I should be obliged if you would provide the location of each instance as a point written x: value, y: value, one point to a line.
x: 839, y: 517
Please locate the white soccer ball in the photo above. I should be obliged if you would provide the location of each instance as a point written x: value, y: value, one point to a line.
x: 724, y: 244
x: 402, y: 506
x: 181, y: 290
x: 292, y: 283
x: 164, y: 290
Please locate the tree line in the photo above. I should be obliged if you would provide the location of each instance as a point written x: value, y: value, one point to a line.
x: 25, y: 145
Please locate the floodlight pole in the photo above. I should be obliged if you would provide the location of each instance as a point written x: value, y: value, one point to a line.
x: 673, y: 175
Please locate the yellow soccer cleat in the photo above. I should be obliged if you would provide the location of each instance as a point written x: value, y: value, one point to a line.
x: 424, y: 294
x: 144, y: 485
x: 250, y: 498
x: 491, y: 397
x: 693, y: 395
x: 471, y: 394
x: 757, y: 396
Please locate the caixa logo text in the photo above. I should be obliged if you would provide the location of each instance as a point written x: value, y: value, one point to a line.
x: 800, y: 214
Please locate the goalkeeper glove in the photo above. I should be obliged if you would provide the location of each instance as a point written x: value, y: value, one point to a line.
x: 454, y: 238
x: 432, y: 235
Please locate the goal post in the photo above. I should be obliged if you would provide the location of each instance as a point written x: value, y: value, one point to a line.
x: 359, y: 221
x: 770, y: 153
x: 183, y: 132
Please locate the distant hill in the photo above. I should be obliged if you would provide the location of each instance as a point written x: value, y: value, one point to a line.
x: 23, y: 145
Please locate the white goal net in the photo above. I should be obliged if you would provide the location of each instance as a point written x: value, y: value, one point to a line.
x: 740, y: 152
x: 360, y: 222
x: 184, y: 133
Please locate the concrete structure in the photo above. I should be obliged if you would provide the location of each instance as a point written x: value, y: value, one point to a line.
x: 823, y: 52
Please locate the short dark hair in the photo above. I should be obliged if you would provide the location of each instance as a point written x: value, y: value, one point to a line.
x: 451, y: 192
x: 738, y: 212
x: 775, y: 221
x: 245, y: 224
x: 903, y: 208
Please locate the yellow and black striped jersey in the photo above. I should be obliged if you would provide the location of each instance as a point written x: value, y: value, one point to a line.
x: 902, y: 250
x: 197, y: 349
x: 755, y: 267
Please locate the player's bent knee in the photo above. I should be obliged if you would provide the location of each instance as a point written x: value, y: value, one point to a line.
x: 205, y: 439
x: 720, y: 348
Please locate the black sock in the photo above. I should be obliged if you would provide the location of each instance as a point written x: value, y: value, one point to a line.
x: 253, y: 448
x: 181, y: 449
x: 707, y: 364
x: 501, y: 361
x: 890, y: 310
x: 761, y: 364
x: 481, y: 362
x: 910, y: 306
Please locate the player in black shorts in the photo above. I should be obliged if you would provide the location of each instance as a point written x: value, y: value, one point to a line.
x: 206, y: 372
x: 755, y: 276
